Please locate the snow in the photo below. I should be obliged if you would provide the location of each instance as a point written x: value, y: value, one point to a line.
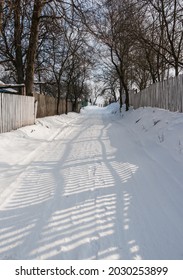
x: 95, y: 185
x: 7, y: 89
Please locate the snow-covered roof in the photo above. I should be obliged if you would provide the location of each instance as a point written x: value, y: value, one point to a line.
x: 6, y: 90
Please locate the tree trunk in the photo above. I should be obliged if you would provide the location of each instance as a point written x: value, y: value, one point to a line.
x: 58, y: 100
x: 120, y: 95
x: 176, y: 67
x: 74, y: 105
x: 127, y: 99
x: 18, y: 43
x: 1, y: 14
x: 66, y: 105
x: 31, y: 54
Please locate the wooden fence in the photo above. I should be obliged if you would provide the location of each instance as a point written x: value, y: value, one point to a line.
x: 167, y: 94
x: 47, y: 106
x: 16, y: 111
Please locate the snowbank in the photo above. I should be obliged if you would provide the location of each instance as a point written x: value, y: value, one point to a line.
x: 157, y: 126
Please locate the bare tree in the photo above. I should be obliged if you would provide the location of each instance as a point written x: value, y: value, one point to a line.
x: 63, y: 54
x: 18, y: 48
x: 32, y: 48
x: 109, y: 22
x: 18, y: 41
x: 169, y: 31
x: 1, y: 14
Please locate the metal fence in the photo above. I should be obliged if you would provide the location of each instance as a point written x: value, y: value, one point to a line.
x: 167, y: 94
x: 16, y: 111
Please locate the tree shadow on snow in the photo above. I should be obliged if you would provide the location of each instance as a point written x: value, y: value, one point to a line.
x: 72, y: 202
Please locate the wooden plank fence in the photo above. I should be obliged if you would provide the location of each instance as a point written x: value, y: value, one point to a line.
x: 167, y: 94
x: 0, y: 116
x: 19, y: 110
x: 47, y: 106
x: 16, y: 111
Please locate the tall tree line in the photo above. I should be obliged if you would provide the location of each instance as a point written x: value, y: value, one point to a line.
x: 141, y: 42
x: 45, y: 40
x: 144, y: 39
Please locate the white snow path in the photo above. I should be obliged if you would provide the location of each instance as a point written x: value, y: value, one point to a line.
x: 94, y: 192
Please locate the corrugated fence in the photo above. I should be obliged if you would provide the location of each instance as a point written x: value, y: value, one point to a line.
x: 16, y: 111
x: 167, y: 94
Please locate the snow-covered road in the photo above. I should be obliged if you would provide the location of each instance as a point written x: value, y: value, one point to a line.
x: 94, y: 191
